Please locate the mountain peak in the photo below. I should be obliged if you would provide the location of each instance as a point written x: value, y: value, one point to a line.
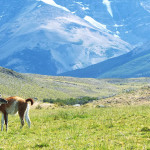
x: 51, y: 2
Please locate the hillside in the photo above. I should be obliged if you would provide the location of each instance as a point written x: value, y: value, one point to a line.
x: 127, y: 98
x: 51, y: 87
x: 131, y: 65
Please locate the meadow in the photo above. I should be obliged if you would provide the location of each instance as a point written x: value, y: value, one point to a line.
x: 118, y: 119
x: 83, y: 128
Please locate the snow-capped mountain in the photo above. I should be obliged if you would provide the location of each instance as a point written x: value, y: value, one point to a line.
x: 51, y: 37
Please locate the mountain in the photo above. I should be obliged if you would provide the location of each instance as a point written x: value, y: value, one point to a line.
x: 127, y: 19
x: 131, y: 65
x: 46, y: 38
x: 51, y: 37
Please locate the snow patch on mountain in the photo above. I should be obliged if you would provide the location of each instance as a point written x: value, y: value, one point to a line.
x: 116, y: 25
x: 117, y: 36
x: 108, y: 5
x: 146, y: 6
x: 51, y: 2
x: 80, y: 3
x: 95, y: 23
x: 83, y: 7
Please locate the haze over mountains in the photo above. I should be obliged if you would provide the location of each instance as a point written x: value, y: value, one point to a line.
x: 52, y: 37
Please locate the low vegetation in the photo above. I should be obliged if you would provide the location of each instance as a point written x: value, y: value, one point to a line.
x: 123, y: 124
x: 71, y: 101
x: 111, y: 128
x: 49, y: 87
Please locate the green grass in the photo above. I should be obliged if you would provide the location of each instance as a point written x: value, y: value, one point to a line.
x: 84, y: 128
x: 81, y: 129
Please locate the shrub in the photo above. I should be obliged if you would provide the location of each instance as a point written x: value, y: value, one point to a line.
x: 145, y: 129
x: 71, y: 101
x: 38, y: 107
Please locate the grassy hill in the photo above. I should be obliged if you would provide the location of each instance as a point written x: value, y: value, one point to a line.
x: 51, y: 87
x: 128, y: 98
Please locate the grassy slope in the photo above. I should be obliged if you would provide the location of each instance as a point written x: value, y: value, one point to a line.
x: 137, y: 67
x: 138, y: 97
x: 29, y: 85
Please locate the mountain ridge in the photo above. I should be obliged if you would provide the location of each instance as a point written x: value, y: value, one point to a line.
x: 133, y: 64
x: 57, y: 33
x: 84, y: 33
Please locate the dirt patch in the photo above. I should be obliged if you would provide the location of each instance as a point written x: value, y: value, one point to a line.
x: 39, y: 105
x: 139, y: 97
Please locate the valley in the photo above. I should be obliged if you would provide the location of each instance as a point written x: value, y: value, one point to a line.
x: 52, y: 87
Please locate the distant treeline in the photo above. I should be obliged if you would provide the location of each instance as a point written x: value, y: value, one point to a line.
x: 71, y: 101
